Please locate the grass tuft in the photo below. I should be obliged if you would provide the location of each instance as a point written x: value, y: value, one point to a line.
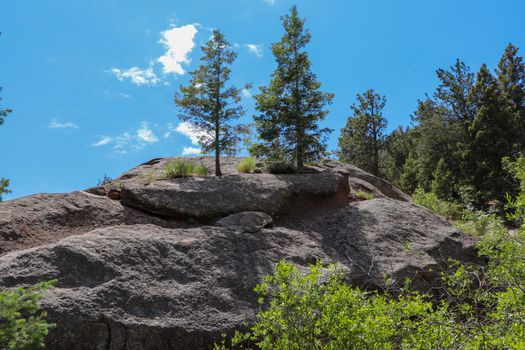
x: 246, y: 166
x: 364, y: 195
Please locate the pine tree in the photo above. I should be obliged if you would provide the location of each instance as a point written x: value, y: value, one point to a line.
x: 363, y: 136
x: 408, y: 180
x: 442, y: 180
x: 454, y: 89
x: 292, y: 105
x: 4, y: 184
x: 435, y: 136
x: 511, y: 79
x: 397, y: 147
x: 490, y: 138
x: 209, y: 105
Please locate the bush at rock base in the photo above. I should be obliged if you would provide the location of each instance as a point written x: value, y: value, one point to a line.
x: 431, y: 201
x: 482, y: 309
x: 22, y: 323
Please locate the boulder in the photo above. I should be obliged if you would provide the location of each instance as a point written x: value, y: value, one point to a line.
x: 147, y: 287
x: 44, y: 218
x: 246, y: 222
x: 145, y: 269
x: 156, y: 168
x: 208, y: 198
x: 380, y: 187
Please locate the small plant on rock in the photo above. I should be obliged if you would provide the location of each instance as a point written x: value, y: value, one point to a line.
x: 281, y: 167
x: 151, y: 178
x: 246, y: 166
x: 106, y: 180
x: 200, y: 170
x: 179, y: 168
x: 364, y: 195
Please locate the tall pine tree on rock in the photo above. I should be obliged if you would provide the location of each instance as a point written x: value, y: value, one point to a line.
x: 292, y: 106
x: 363, y: 136
x: 209, y: 105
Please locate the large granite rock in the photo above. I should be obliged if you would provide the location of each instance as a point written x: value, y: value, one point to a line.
x: 147, y: 287
x: 43, y: 218
x: 210, y: 197
x: 130, y: 280
x: 358, y: 179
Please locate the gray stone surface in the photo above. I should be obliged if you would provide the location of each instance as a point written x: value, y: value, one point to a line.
x: 210, y: 197
x: 155, y: 168
x: 147, y: 287
x: 43, y: 218
x: 130, y: 280
x: 246, y: 222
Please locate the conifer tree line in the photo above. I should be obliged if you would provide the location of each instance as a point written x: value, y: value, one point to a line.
x: 460, y: 139
x: 455, y: 146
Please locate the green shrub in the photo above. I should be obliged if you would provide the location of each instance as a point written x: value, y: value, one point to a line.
x: 364, y: 195
x: 151, y: 177
x: 280, y: 167
x: 179, y: 168
x: 481, y: 306
x: 4, y: 184
x: 431, y: 201
x: 106, y: 180
x: 319, y: 311
x: 200, y: 170
x: 246, y: 166
x: 516, y: 206
x: 22, y: 323
x: 479, y: 224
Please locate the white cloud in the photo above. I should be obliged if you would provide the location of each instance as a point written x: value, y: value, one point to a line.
x: 179, y: 42
x: 123, y: 95
x: 246, y: 93
x: 54, y: 124
x: 124, y: 143
x: 104, y: 140
x: 256, y: 49
x: 146, y: 134
x: 192, y: 132
x: 187, y: 151
x: 271, y: 2
x: 137, y: 75
x: 130, y: 141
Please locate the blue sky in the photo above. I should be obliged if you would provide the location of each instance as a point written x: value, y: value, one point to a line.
x: 92, y: 82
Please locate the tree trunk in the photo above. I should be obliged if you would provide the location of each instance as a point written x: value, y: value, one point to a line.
x: 217, y: 120
x: 375, y: 169
x: 299, y: 149
x: 217, y: 151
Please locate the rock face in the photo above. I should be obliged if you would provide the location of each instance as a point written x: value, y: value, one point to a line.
x: 246, y: 222
x: 212, y: 197
x: 129, y: 280
x: 45, y: 218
